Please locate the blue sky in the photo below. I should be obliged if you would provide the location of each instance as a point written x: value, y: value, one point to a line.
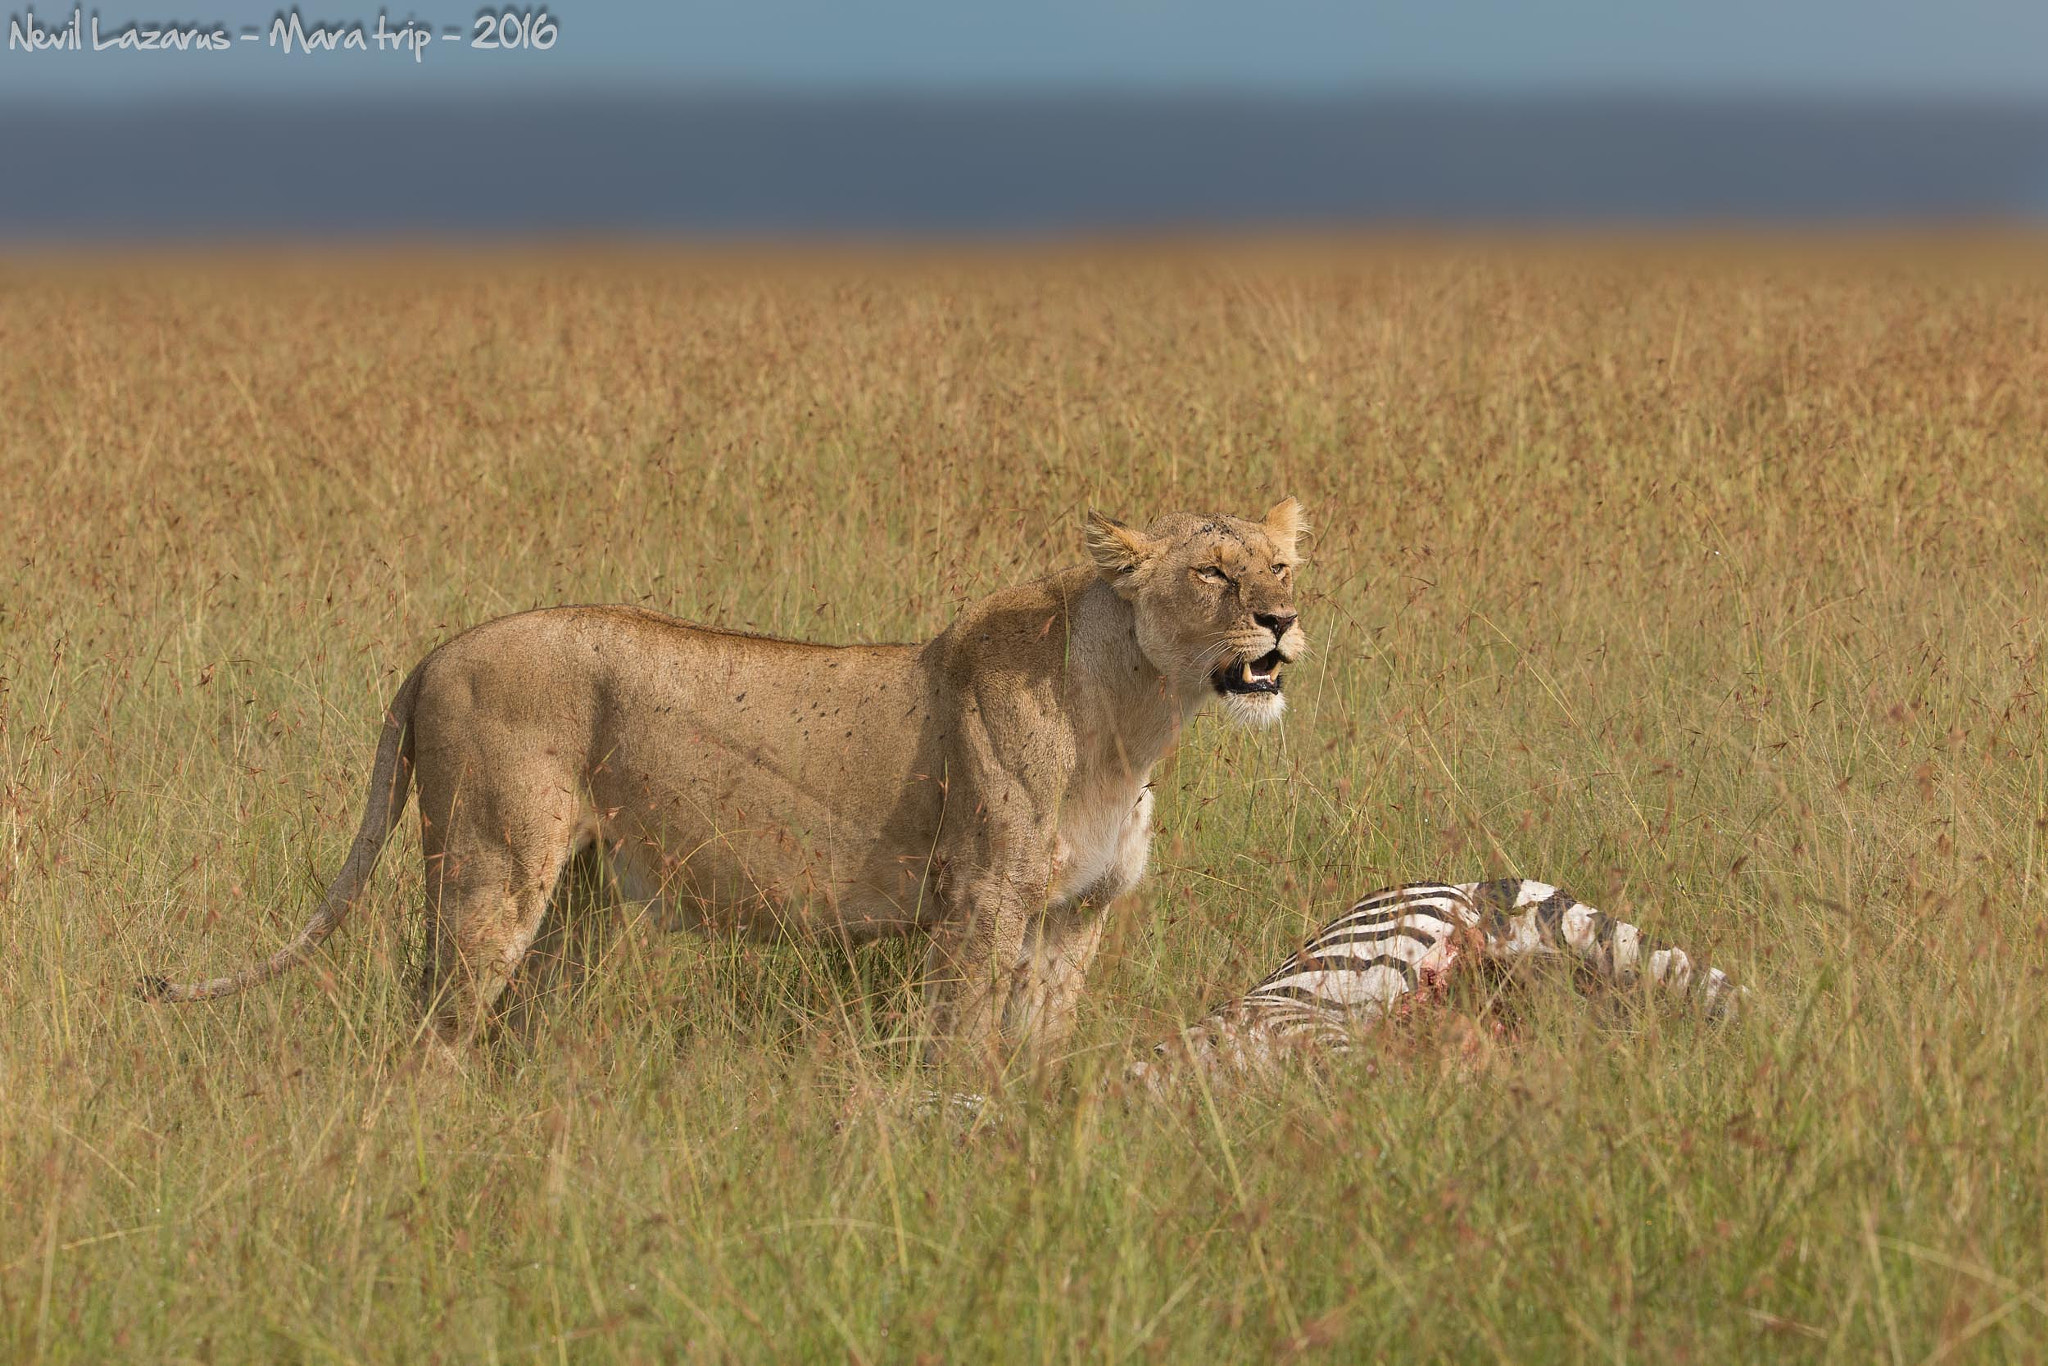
x: 1861, y: 47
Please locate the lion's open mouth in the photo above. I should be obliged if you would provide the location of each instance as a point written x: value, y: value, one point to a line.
x: 1261, y: 675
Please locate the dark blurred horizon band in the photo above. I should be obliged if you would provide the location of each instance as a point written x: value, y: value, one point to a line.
x: 919, y: 166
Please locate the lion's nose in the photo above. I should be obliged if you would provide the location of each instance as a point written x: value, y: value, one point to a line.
x: 1276, y: 622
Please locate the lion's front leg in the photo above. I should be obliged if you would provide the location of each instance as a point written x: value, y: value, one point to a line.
x: 967, y: 980
x: 972, y: 963
x: 999, y: 858
x: 1045, y: 985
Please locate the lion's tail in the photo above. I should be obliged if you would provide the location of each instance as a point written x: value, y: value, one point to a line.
x: 390, y: 786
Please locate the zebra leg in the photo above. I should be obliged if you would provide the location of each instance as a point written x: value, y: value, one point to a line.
x: 1523, y: 919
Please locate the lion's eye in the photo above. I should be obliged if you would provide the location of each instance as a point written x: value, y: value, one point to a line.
x: 1211, y: 575
x: 1280, y: 570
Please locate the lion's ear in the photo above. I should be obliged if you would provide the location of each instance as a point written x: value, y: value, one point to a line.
x: 1286, y: 525
x: 1119, y: 552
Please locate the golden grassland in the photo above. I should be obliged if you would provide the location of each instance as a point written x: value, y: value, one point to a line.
x: 1708, y: 584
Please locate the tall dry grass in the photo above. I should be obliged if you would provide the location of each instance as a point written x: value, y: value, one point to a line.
x: 1706, y: 583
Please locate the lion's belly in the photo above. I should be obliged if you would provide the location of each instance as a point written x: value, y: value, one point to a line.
x: 742, y: 892
x: 771, y: 876
x: 811, y: 819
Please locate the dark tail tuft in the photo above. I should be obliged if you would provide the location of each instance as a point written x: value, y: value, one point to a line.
x: 154, y: 988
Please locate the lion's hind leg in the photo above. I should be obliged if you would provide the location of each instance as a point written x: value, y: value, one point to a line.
x: 491, y: 873
x: 584, y: 927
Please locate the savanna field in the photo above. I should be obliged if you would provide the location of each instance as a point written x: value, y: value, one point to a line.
x: 1707, y: 583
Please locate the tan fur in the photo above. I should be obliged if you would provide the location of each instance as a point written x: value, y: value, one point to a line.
x: 987, y: 788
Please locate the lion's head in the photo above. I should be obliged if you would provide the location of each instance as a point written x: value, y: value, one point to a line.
x: 1214, y: 598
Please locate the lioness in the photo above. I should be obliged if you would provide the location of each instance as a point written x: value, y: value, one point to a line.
x: 988, y: 787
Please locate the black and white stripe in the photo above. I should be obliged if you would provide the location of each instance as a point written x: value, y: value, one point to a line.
x: 1361, y: 965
